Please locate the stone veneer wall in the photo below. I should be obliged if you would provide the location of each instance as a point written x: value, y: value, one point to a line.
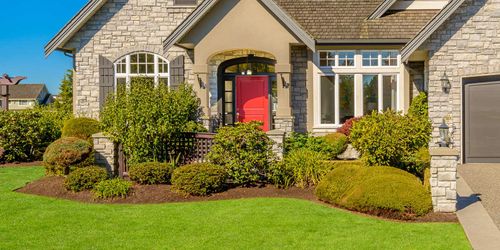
x: 118, y: 28
x: 299, y: 88
x: 106, y: 152
x: 467, y: 44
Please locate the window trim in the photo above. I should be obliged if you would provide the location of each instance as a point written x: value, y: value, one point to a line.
x: 336, y: 63
x: 317, y: 114
x: 380, y: 86
x: 128, y: 75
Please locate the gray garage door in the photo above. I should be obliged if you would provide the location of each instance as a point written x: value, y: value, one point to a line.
x: 482, y: 120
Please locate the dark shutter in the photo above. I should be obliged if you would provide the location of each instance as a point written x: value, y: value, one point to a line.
x: 106, y: 79
x: 177, y: 72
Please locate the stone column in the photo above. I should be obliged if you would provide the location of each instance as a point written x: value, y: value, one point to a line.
x: 278, y: 137
x: 443, y: 179
x: 106, y: 152
x: 284, y: 119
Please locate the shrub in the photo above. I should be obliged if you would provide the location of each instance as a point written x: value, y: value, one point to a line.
x: 307, y: 166
x: 347, y: 126
x: 306, y: 141
x: 151, y: 173
x: 199, y: 179
x: 113, y: 188
x: 82, y: 128
x: 66, y: 153
x: 24, y: 135
x: 144, y: 118
x: 85, y: 178
x: 419, y: 106
x: 387, y: 139
x: 338, y: 143
x: 244, y: 151
x: 375, y: 190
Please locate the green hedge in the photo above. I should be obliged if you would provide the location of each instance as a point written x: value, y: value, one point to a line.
x: 199, y: 179
x: 151, y: 173
x: 24, y: 135
x: 66, y: 154
x: 82, y: 128
x: 330, y: 145
x: 85, y: 178
x: 244, y: 151
x: 375, y: 190
x: 114, y: 188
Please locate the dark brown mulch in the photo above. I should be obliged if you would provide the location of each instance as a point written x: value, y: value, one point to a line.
x: 21, y: 164
x: 155, y: 194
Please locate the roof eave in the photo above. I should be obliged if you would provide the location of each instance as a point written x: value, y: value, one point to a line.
x: 59, y: 40
x: 362, y: 41
x: 430, y: 28
x: 206, y: 5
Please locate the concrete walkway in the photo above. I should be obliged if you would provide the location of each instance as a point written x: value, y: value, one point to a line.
x: 477, y: 223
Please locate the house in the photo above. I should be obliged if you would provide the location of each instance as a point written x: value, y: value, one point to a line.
x: 26, y: 96
x: 306, y: 65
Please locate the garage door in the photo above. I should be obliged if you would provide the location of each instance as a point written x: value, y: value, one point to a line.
x: 482, y: 120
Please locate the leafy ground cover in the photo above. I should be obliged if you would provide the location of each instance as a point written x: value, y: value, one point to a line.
x: 33, y: 222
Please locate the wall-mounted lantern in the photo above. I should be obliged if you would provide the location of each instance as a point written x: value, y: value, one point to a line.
x: 445, y: 83
x: 444, y: 135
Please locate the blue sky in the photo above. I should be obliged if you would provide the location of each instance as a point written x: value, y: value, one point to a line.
x: 29, y: 25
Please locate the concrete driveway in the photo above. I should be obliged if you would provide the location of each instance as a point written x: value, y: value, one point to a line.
x: 484, y: 180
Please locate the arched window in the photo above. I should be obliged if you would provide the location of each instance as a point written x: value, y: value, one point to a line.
x: 142, y: 64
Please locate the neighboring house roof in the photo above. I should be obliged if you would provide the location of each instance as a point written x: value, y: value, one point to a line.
x: 207, y: 5
x: 337, y: 20
x: 430, y: 28
x: 26, y: 91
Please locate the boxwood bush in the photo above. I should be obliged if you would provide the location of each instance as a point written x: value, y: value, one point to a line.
x: 199, y: 179
x: 244, y: 151
x: 114, y: 188
x: 24, y: 135
x: 66, y: 154
x: 85, y: 178
x: 82, y: 128
x: 151, y: 173
x: 375, y: 190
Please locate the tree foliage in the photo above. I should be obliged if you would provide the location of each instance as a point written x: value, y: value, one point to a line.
x: 144, y: 118
x: 65, y: 101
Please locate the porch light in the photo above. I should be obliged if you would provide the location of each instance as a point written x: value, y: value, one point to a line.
x: 445, y: 83
x: 444, y: 135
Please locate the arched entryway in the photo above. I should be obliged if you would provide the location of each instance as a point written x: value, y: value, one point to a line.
x: 247, y: 90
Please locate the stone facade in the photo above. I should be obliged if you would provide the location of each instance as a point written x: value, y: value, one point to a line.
x: 444, y: 179
x: 299, y: 57
x: 278, y: 137
x: 106, y: 152
x: 118, y: 28
x: 468, y: 44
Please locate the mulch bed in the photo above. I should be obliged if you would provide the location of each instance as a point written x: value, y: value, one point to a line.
x: 21, y: 164
x: 156, y: 194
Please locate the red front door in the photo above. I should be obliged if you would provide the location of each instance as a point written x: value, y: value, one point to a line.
x: 252, y: 99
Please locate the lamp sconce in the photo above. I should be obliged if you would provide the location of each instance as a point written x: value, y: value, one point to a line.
x: 200, y: 82
x: 445, y: 84
x: 444, y: 135
x: 285, y: 83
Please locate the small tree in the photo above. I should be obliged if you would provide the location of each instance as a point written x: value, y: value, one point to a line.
x: 144, y: 117
x: 65, y: 101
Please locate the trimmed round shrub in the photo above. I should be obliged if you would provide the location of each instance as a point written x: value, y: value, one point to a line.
x: 85, y: 178
x: 151, y: 173
x: 114, y: 188
x: 338, y: 143
x: 347, y: 126
x: 375, y: 190
x: 66, y: 154
x: 199, y: 179
x: 82, y: 128
x: 244, y: 151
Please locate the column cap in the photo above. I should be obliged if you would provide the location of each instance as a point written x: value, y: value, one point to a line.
x: 444, y: 152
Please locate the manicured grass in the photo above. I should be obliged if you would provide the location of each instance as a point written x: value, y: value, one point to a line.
x: 30, y: 222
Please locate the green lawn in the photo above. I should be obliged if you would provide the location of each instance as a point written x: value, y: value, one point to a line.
x: 30, y: 222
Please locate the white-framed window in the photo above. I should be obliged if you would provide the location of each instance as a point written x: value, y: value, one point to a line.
x: 142, y: 64
x: 380, y: 92
x: 23, y: 103
x: 383, y: 58
x: 336, y: 99
x: 331, y: 58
